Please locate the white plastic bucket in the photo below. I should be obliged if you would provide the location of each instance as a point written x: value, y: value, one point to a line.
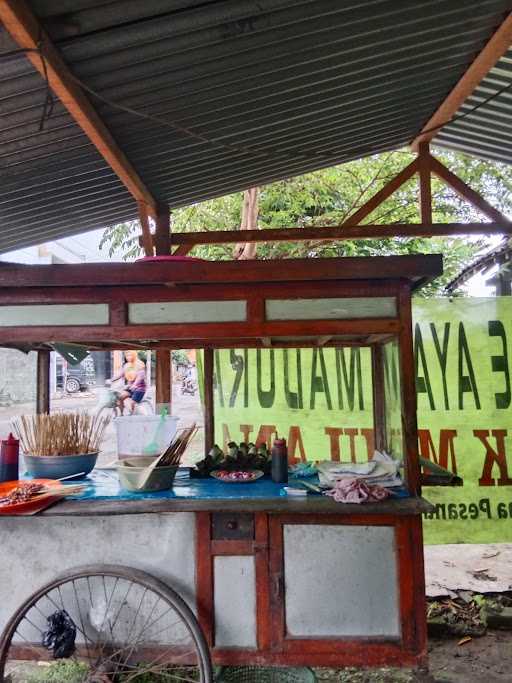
x: 136, y: 432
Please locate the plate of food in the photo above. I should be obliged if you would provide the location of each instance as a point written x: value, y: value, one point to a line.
x: 31, y: 496
x: 236, y: 476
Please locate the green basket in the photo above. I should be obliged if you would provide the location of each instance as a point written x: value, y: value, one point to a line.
x: 264, y: 674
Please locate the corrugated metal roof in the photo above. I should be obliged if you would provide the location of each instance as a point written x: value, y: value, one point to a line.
x: 487, y: 130
x: 280, y: 87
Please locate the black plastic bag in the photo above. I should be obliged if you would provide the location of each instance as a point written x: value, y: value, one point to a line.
x: 60, y: 636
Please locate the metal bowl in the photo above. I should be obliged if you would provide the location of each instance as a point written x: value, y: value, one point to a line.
x: 58, y: 466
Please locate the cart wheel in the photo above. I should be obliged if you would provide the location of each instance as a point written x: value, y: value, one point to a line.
x: 114, y: 624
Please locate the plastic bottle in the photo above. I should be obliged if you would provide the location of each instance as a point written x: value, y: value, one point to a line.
x: 279, y: 461
x: 9, y: 459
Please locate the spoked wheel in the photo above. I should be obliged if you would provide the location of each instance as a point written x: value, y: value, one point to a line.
x: 108, y: 624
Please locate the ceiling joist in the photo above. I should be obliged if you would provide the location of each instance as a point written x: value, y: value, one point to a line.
x: 495, y: 48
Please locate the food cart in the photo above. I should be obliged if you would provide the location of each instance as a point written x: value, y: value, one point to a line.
x: 272, y: 579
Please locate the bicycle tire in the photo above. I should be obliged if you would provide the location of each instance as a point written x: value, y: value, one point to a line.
x: 142, y: 579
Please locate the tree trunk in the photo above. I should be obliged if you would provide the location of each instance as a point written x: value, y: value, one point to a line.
x: 247, y: 250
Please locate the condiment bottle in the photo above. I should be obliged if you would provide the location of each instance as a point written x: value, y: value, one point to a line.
x: 9, y: 459
x: 279, y: 461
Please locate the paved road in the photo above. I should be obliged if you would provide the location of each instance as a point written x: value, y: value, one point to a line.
x: 187, y: 407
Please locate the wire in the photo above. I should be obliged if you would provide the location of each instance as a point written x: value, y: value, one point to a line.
x: 455, y: 117
x: 49, y: 101
x: 187, y: 131
x: 174, y: 125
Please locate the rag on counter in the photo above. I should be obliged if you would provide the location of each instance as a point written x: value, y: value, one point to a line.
x: 357, y: 491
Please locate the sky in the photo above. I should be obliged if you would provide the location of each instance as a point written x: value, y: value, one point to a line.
x: 84, y: 248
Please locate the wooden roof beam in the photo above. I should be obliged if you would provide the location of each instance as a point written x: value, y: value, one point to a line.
x: 186, y: 241
x: 497, y: 46
x: 472, y: 196
x: 27, y: 32
x: 379, y: 197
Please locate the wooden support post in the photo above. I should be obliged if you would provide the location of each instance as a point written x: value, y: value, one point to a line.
x: 162, y: 238
x: 162, y: 241
x: 43, y: 382
x: 204, y: 577
x: 379, y: 408
x: 409, y: 401
x: 425, y: 184
x: 209, y: 415
x: 163, y: 380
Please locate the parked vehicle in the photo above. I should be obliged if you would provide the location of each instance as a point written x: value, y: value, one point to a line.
x: 78, y: 377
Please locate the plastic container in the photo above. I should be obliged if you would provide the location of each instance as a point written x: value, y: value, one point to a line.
x: 136, y: 432
x: 131, y: 469
x: 58, y: 466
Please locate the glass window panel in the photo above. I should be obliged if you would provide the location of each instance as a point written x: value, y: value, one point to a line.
x: 54, y: 314
x: 187, y: 312
x: 331, y: 309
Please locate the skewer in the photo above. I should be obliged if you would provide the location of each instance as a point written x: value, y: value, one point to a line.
x: 46, y: 492
x: 60, y: 434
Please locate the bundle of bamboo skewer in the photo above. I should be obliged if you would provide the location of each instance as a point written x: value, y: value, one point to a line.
x: 174, y: 452
x: 75, y: 433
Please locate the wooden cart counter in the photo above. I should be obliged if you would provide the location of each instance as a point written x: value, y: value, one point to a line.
x: 105, y: 497
x: 283, y: 505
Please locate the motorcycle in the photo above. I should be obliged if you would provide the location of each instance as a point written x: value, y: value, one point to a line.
x: 188, y: 386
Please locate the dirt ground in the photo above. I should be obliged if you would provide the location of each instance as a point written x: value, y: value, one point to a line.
x: 481, y: 660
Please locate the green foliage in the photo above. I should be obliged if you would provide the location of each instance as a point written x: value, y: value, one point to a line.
x: 180, y: 357
x: 62, y: 671
x: 330, y: 196
x: 71, y: 671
